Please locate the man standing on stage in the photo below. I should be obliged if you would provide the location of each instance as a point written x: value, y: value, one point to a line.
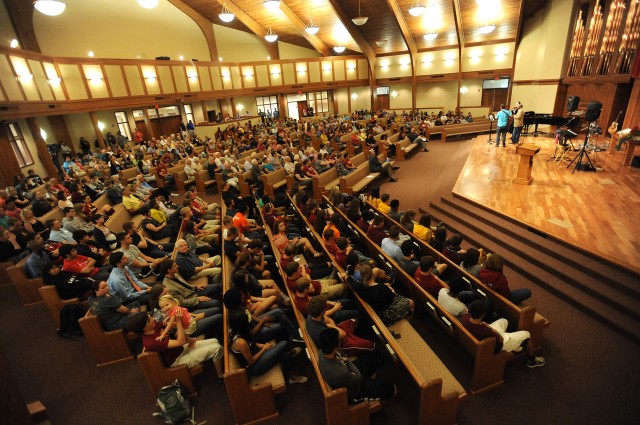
x: 503, y: 121
x: 518, y: 122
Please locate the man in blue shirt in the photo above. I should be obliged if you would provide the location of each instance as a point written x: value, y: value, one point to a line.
x: 124, y: 286
x: 503, y: 121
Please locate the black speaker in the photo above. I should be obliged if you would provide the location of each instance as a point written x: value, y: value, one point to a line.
x: 593, y: 111
x: 572, y: 103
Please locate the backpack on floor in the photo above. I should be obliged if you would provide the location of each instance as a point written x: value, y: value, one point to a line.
x: 69, y: 316
x: 175, y: 407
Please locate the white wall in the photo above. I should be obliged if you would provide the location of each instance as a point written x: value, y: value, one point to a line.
x: 443, y: 93
x: 473, y: 96
x: 239, y: 46
x: 291, y: 51
x: 400, y: 96
x: 121, y: 29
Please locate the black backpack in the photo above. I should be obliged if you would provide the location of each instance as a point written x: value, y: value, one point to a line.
x: 175, y: 407
x: 69, y: 316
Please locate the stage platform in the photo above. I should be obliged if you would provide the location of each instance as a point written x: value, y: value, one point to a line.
x: 595, y: 211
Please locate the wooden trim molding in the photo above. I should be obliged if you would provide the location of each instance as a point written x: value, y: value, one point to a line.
x: 550, y: 81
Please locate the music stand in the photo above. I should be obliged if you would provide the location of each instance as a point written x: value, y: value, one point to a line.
x: 491, y: 120
x: 583, y: 152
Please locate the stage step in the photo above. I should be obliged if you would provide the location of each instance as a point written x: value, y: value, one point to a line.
x: 617, y: 306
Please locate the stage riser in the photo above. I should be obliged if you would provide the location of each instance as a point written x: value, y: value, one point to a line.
x: 604, y: 303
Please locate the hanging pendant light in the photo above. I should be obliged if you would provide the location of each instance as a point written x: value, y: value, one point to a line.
x: 148, y: 4
x: 272, y: 5
x: 417, y: 9
x: 226, y: 15
x: 311, y: 29
x: 430, y: 36
x: 50, y: 7
x: 271, y: 37
x: 360, y: 20
x: 339, y: 49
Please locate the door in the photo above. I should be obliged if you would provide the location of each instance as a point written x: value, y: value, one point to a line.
x: 382, y: 102
x: 302, y: 108
x: 493, y: 98
x: 166, y: 125
x: 141, y: 126
x: 293, y: 110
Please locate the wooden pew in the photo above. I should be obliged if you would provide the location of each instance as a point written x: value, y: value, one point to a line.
x: 203, y: 181
x: 121, y: 216
x: 27, y: 288
x: 54, y: 303
x: 325, y: 182
x: 477, y: 127
x: 274, y: 181
x: 128, y: 175
x: 357, y: 180
x: 440, y: 392
x: 258, y: 392
x: 107, y: 347
x: 158, y: 375
x: 404, y: 148
x: 182, y: 181
x: 488, y: 370
x: 524, y: 317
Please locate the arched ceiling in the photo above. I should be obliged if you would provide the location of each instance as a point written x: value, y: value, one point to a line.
x: 383, y: 32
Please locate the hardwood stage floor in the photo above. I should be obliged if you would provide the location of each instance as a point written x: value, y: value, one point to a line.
x: 596, y: 211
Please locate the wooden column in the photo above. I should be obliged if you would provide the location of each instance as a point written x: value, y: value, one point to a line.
x: 349, y: 100
x: 61, y: 131
x: 96, y: 129
x: 41, y: 145
x: 334, y: 101
x: 147, y: 122
x: 282, y: 104
x: 632, y: 115
x: 8, y: 164
x: 205, y: 112
x: 233, y: 108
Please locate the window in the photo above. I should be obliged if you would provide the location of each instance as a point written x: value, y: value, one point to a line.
x: 123, y: 124
x: 188, y: 112
x: 19, y: 145
x: 267, y: 104
x: 319, y: 101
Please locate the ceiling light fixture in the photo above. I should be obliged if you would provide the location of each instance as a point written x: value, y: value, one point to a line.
x: 272, y: 5
x: 148, y: 4
x: 90, y: 54
x: 49, y: 7
x: 311, y: 29
x: 339, y: 49
x: 430, y: 36
x: 271, y: 37
x: 486, y: 29
x: 417, y: 9
x: 360, y: 20
x: 226, y: 15
x: 13, y: 43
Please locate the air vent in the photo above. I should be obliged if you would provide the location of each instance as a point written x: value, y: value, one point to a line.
x: 259, y: 90
x: 394, y: 79
x: 9, y: 108
x: 485, y: 72
x: 188, y: 95
x: 53, y: 106
x: 297, y: 87
x: 160, y: 98
x: 438, y: 76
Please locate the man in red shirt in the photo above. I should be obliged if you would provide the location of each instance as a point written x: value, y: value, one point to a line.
x: 376, y: 230
x: 426, y: 279
x: 81, y: 265
x: 242, y: 223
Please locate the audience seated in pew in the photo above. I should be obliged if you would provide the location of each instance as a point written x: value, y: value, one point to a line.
x: 203, y: 321
x: 112, y: 314
x: 505, y: 341
x: 493, y: 276
x: 252, y: 336
x: 329, y: 287
x: 193, y: 267
x: 104, y: 237
x: 124, y: 286
x: 147, y: 246
x: 177, y: 351
x: 195, y: 296
x: 140, y: 264
x: 357, y: 376
x: 81, y: 266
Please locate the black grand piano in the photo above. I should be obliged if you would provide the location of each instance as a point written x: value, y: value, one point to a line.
x: 531, y: 118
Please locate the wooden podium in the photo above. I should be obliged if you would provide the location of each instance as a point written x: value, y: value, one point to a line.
x: 526, y: 152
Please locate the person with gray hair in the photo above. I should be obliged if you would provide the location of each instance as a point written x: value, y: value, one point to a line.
x: 192, y: 267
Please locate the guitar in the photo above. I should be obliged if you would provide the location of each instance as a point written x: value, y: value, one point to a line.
x: 614, y: 125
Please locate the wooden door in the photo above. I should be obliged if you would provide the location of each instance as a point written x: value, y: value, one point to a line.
x: 142, y: 127
x: 382, y: 102
x: 493, y: 98
x: 302, y: 108
x: 166, y: 125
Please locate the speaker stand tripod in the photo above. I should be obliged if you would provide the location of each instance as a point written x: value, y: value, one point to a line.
x: 580, y: 157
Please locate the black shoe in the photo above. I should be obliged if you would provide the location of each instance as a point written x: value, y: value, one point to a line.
x: 392, y: 180
x: 396, y: 168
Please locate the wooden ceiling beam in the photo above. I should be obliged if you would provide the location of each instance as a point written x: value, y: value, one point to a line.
x: 297, y: 22
x: 203, y: 23
x: 256, y: 28
x: 411, y: 45
x: 21, y: 15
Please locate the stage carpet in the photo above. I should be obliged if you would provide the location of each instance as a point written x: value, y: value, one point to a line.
x: 595, y: 211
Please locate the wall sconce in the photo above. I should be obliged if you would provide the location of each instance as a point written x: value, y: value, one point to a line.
x: 326, y: 69
x: 404, y: 61
x: 90, y: 54
x: 239, y: 107
x: 100, y: 126
x: 25, y: 77
x: 354, y: 96
x: 43, y: 134
x: 449, y: 57
x: 55, y: 80
x: 150, y: 78
x: 13, y: 43
x: 464, y: 89
x: 275, y: 73
x: 302, y: 71
x: 95, y: 80
x: 351, y: 67
x: 394, y: 94
x: 247, y: 75
x: 427, y: 59
x: 193, y: 77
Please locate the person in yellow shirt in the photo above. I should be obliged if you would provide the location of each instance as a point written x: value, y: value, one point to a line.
x: 384, y: 206
x: 131, y: 203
